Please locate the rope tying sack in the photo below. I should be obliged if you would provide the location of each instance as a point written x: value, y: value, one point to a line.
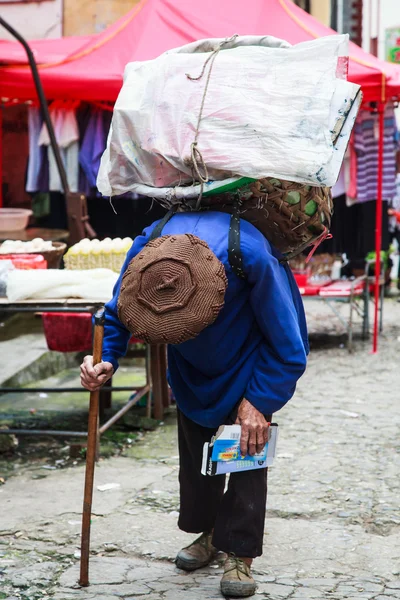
x: 196, y: 155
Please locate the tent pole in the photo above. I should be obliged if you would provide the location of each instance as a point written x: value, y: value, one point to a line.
x: 1, y: 156
x: 43, y: 103
x: 378, y: 225
x: 78, y: 219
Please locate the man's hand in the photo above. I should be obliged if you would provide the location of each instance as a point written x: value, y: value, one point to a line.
x: 93, y: 377
x: 254, y: 434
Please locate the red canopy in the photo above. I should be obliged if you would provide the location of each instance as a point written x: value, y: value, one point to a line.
x: 91, y: 68
x: 44, y: 51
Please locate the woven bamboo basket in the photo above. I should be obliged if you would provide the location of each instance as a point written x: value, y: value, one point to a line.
x: 54, y: 255
x: 291, y: 215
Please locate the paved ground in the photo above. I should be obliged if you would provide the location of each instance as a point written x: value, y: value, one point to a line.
x: 20, y: 342
x: 333, y: 519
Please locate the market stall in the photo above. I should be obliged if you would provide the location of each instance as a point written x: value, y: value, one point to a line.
x: 155, y: 389
x: 66, y: 300
x: 90, y: 69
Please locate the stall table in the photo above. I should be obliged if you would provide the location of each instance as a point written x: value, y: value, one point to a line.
x: 355, y: 293
x: 156, y: 382
x: 27, y: 235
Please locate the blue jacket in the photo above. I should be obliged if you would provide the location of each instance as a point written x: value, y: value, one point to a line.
x: 255, y: 349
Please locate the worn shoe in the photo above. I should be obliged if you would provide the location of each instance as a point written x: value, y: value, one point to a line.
x: 198, y: 554
x: 237, y: 581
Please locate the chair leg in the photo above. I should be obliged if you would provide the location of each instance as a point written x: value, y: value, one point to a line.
x: 163, y: 375
x: 350, y: 326
x: 366, y: 313
x: 105, y: 399
x: 156, y: 382
x: 148, y: 381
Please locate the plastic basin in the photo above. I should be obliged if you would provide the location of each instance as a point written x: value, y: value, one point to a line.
x: 26, y: 261
x: 14, y: 219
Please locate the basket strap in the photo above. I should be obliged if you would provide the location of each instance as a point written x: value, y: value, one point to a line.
x: 157, y: 231
x: 234, y: 252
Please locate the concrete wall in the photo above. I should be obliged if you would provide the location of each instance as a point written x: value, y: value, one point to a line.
x: 82, y: 17
x: 389, y: 17
x: 54, y: 18
x: 321, y: 10
x: 33, y: 19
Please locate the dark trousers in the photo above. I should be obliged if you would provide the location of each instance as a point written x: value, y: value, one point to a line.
x: 237, y: 516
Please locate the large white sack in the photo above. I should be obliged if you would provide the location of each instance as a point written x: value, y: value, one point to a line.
x: 268, y: 111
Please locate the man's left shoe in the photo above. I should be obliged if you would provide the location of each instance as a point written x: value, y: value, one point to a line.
x: 237, y: 581
x: 198, y: 554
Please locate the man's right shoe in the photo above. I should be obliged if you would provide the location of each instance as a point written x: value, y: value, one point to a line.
x: 237, y: 581
x: 198, y: 554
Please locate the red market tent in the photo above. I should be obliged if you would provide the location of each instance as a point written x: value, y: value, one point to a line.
x: 91, y: 68
x: 47, y: 50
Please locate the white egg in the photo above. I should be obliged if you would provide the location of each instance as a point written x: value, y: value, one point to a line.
x: 37, y: 242
x: 118, y: 245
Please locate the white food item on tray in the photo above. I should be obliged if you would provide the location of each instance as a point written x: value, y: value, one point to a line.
x: 19, y: 247
x: 94, y: 284
x: 91, y: 254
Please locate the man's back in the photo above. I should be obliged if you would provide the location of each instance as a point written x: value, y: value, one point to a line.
x: 260, y: 328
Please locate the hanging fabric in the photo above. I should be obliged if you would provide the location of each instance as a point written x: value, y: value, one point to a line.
x: 67, y: 135
x: 92, y: 147
x: 366, y: 138
x: 37, y: 154
x: 340, y: 186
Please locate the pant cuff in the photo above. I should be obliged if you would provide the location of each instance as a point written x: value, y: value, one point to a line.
x: 237, y: 550
x: 195, y: 528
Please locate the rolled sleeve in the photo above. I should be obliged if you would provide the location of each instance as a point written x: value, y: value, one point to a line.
x: 116, y: 335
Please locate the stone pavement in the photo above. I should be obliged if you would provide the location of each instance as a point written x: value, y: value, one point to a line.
x: 333, y: 518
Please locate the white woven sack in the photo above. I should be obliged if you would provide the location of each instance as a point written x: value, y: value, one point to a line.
x: 267, y: 111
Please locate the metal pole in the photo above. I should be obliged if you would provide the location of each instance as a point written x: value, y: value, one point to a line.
x: 378, y: 26
x: 124, y: 409
x: 53, y: 432
x: 378, y: 225
x: 1, y: 156
x: 370, y: 26
x: 50, y: 390
x: 43, y: 104
x: 340, y: 16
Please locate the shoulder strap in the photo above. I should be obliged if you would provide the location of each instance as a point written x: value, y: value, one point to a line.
x: 234, y: 252
x: 157, y: 231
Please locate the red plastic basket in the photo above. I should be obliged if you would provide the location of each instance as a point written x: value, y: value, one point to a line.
x: 26, y: 261
x: 301, y: 277
x: 68, y: 332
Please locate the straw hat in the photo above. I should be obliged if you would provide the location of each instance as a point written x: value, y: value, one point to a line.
x: 172, y: 290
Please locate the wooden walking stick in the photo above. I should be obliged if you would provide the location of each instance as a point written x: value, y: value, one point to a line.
x: 91, y: 451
